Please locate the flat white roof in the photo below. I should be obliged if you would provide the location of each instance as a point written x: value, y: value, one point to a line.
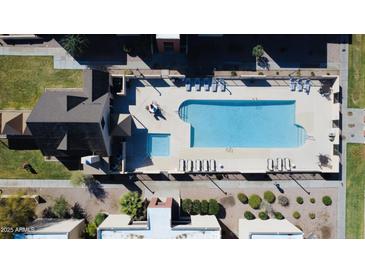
x: 268, y: 229
x: 167, y: 36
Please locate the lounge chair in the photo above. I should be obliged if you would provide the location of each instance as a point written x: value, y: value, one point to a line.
x: 188, y: 84
x: 213, y: 87
x: 197, y: 165
x: 307, y: 86
x: 189, y: 165
x: 181, y: 165
x: 212, y: 165
x: 287, y: 164
x: 300, y: 85
x: 206, y: 84
x: 293, y: 84
x: 197, y: 84
x: 205, y: 165
x: 270, y: 164
x: 279, y: 164
x: 221, y: 85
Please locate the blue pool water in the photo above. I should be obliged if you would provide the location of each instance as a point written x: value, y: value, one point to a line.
x: 242, y: 123
x: 158, y: 144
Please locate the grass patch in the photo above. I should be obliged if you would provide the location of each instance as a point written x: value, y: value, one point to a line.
x: 355, y: 191
x: 356, y: 92
x: 24, y: 78
x: 11, y: 165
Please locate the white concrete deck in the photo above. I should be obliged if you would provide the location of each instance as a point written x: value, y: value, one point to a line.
x: 314, y: 112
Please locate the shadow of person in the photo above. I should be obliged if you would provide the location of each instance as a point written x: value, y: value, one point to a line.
x: 158, y: 114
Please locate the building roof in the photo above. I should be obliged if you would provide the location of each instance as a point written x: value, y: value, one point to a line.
x: 53, y: 226
x: 268, y: 229
x: 167, y: 36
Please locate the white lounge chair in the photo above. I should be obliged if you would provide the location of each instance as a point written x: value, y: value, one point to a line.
x: 188, y: 84
x: 270, y: 164
x: 212, y: 166
x: 197, y: 165
x: 213, y: 87
x: 307, y: 86
x: 300, y: 85
x: 197, y: 84
x: 189, y: 165
x: 221, y: 85
x: 279, y: 164
x: 181, y: 165
x: 206, y: 84
x: 287, y: 164
x: 205, y: 165
x: 293, y: 84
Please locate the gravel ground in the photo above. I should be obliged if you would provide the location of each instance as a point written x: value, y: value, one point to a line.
x: 323, y: 226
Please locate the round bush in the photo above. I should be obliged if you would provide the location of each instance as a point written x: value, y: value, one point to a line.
x: 99, y: 218
x: 213, y: 207
x: 269, y: 197
x: 296, y: 215
x: 278, y: 215
x: 312, y: 215
x: 249, y: 216
x: 263, y: 215
x: 195, y: 209
x: 312, y: 200
x: 300, y: 200
x: 283, y: 200
x: 327, y: 201
x: 242, y: 198
x: 204, y: 207
x: 255, y: 201
x: 187, y: 205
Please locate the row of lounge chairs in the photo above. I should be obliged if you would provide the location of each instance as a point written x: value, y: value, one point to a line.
x: 208, y: 84
x: 281, y: 164
x: 197, y: 165
x: 300, y: 84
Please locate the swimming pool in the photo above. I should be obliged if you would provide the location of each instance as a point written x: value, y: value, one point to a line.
x: 242, y: 123
x: 158, y: 144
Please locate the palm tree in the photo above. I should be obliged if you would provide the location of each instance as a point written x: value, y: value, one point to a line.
x: 258, y: 51
x: 131, y: 203
x: 74, y: 44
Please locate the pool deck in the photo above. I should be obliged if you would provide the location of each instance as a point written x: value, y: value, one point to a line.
x: 314, y: 112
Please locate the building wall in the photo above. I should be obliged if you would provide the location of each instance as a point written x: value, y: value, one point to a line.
x: 161, y: 44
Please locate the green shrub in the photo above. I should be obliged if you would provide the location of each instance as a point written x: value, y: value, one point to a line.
x: 61, y: 208
x: 255, y: 201
x: 300, y: 200
x: 278, y: 215
x: 91, y: 230
x: 213, y: 207
x: 249, y: 216
x: 327, y: 201
x: 283, y: 200
x: 312, y: 200
x: 131, y: 203
x: 312, y: 215
x: 204, y: 207
x: 187, y: 205
x: 195, y: 209
x: 258, y: 51
x: 296, y: 215
x: 242, y: 198
x: 269, y: 197
x: 263, y: 215
x: 99, y: 218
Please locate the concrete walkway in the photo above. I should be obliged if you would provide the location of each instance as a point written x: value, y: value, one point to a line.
x: 61, y: 59
x: 341, y: 214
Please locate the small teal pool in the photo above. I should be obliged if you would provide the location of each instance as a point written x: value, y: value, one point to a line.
x: 158, y: 144
x: 242, y: 123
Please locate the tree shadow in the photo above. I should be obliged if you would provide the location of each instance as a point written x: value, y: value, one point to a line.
x: 96, y: 189
x: 78, y: 212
